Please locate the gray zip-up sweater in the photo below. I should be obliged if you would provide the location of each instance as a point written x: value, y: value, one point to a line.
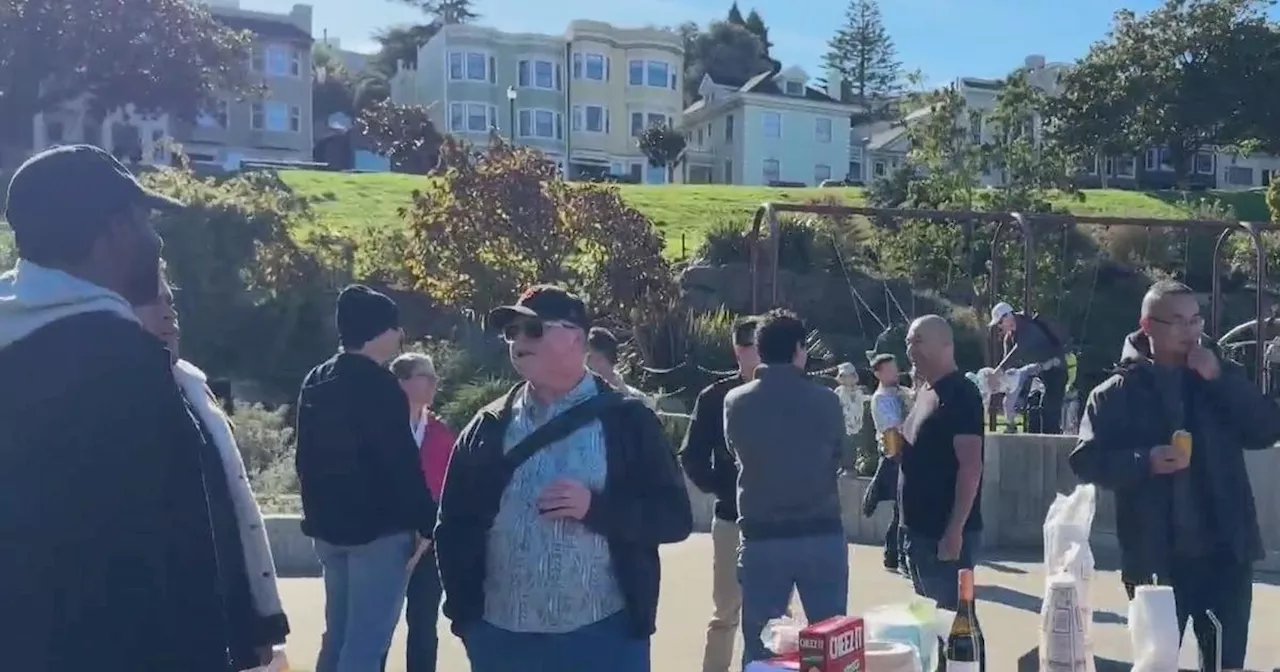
x: 786, y: 432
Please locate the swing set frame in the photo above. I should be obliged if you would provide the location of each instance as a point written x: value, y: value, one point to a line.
x: 766, y: 220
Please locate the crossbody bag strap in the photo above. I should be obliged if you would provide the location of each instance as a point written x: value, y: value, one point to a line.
x: 559, y: 427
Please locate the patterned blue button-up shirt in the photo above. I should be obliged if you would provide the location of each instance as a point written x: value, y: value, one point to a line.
x: 549, y: 576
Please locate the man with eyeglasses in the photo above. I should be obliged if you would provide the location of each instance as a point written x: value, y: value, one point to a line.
x: 555, y: 502
x: 1184, y: 516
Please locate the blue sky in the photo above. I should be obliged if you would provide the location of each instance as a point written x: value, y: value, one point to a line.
x: 943, y: 38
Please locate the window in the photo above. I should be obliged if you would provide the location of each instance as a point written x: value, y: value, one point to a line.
x: 283, y: 61
x: 655, y: 174
x: 795, y: 89
x: 590, y: 118
x: 772, y: 124
x: 54, y: 132
x: 1126, y: 166
x: 1204, y: 163
x: 276, y: 117
x: 545, y: 124
x: 591, y: 66
x: 855, y: 153
x: 975, y: 128
x: 1240, y: 176
x: 1166, y: 161
x: 728, y: 172
x: 471, y: 65
x: 214, y: 118
x: 657, y: 74
x: 534, y: 74
x: 698, y: 135
x: 642, y: 120
x: 728, y: 128
x: 822, y: 129
x: 877, y: 169
x: 472, y: 117
x: 821, y: 172
x: 1153, y: 159
x: 771, y: 170
x: 855, y: 170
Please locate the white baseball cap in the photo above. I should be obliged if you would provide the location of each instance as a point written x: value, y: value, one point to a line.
x: 999, y: 311
x: 846, y: 369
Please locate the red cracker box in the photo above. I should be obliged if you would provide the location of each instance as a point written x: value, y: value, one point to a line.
x: 834, y: 645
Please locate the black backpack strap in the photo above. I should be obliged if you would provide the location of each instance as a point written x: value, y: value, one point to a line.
x: 558, y: 427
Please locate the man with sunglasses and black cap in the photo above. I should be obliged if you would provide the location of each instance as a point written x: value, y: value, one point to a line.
x: 556, y: 500
x: 110, y: 559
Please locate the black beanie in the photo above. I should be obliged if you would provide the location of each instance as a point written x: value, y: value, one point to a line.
x: 363, y: 315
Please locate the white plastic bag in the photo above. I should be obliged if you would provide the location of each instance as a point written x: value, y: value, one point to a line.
x: 279, y: 662
x: 1153, y: 629
x: 782, y: 635
x: 1066, y: 549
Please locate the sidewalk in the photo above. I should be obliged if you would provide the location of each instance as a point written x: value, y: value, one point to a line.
x: 1009, y: 589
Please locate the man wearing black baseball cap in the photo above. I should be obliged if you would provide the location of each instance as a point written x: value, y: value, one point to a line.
x: 112, y: 561
x: 556, y: 500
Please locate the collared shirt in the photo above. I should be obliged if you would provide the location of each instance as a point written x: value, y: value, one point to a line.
x: 549, y: 576
x: 419, y: 428
x: 888, y: 409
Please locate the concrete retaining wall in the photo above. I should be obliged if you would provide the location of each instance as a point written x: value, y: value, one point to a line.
x: 1022, y: 475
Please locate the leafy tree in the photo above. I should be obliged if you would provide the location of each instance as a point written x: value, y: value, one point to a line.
x: 663, y: 146
x: 864, y: 54
x: 403, y: 133
x: 1027, y: 168
x: 1176, y: 78
x: 446, y: 11
x: 727, y: 52
x: 332, y: 90
x: 400, y: 44
x: 167, y: 56
x: 755, y: 24
x: 369, y: 90
x: 735, y: 15
x: 495, y: 222
x: 942, y: 148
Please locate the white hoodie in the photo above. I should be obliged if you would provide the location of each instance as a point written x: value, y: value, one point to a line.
x: 32, y: 296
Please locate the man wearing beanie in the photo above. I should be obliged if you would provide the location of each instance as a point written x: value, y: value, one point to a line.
x: 364, y: 500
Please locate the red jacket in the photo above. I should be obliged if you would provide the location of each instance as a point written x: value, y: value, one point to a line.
x: 436, y: 448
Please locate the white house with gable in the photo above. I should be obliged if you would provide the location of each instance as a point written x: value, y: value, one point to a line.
x: 775, y: 128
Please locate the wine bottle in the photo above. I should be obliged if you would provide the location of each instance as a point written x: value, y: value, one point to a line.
x: 965, y: 650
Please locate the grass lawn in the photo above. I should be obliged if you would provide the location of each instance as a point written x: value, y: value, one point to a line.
x: 684, y: 213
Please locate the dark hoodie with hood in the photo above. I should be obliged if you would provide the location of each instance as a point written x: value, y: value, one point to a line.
x: 1207, y: 508
x: 108, y: 560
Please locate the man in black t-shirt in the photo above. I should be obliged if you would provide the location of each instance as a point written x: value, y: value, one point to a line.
x: 941, y: 466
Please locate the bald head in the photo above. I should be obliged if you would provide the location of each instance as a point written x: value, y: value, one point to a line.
x: 930, y: 346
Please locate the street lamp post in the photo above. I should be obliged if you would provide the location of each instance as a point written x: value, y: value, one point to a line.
x: 511, y: 112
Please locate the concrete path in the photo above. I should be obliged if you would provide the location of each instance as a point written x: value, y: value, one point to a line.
x: 1009, y: 589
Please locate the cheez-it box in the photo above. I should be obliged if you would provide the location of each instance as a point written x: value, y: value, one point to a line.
x: 833, y: 645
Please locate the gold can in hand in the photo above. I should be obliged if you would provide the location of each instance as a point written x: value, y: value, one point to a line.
x: 892, y: 440
x: 1181, y: 442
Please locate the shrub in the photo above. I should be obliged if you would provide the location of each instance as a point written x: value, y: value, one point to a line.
x: 1273, y: 200
x: 253, y: 300
x: 804, y: 244
x: 495, y: 222
x: 265, y: 439
x: 469, y: 398
x: 403, y: 133
x: 8, y: 254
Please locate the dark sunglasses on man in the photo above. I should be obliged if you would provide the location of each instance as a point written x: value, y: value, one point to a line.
x: 532, y: 329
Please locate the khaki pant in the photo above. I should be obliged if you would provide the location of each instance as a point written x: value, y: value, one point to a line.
x: 726, y: 595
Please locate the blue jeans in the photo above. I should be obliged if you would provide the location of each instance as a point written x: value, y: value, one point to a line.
x: 364, y: 590
x: 769, y: 569
x: 607, y: 644
x: 934, y: 578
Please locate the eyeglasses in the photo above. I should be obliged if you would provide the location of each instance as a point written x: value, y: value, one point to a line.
x: 533, y: 329
x: 1196, y: 322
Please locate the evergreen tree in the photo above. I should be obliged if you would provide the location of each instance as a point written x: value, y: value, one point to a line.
x: 447, y: 12
x: 863, y: 53
x: 735, y: 15
x: 755, y: 24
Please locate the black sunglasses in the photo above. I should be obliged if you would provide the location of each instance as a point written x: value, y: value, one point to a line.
x: 533, y: 329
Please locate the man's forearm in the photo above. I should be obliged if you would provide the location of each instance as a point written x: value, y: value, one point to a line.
x: 967, y: 480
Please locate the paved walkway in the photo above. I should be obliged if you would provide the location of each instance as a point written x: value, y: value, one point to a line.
x: 1009, y: 588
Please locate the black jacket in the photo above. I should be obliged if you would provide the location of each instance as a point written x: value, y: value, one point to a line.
x: 1123, y: 421
x: 109, y: 560
x: 358, y: 467
x: 704, y: 455
x: 644, y: 504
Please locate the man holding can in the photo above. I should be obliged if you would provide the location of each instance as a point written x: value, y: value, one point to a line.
x: 1166, y: 433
